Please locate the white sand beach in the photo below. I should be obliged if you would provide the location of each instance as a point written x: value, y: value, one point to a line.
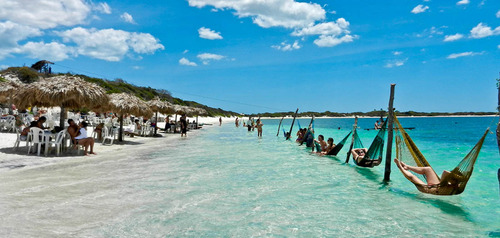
x: 19, y: 159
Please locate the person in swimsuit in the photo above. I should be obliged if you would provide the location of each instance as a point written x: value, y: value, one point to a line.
x: 259, y: 128
x: 330, y: 146
x: 428, y: 172
x: 359, y: 154
x: 321, y: 141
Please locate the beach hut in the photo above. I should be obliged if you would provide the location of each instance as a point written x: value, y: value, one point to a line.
x: 157, y: 105
x: 124, y: 103
x: 65, y: 91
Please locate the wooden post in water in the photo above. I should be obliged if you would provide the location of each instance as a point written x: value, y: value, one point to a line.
x: 293, y: 122
x: 352, y: 141
x: 390, y: 131
x: 498, y: 126
x: 279, y: 126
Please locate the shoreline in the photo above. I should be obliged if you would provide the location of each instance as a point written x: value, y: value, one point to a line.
x: 351, y: 117
x: 12, y: 161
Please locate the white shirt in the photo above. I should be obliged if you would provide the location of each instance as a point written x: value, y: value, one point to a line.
x: 83, y: 134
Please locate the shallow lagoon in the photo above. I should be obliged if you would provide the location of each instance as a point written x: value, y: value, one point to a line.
x: 223, y: 181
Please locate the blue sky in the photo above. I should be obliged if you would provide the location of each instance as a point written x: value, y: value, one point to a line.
x: 256, y: 56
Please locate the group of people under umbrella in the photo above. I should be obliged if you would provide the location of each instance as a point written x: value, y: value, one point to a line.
x: 71, y: 92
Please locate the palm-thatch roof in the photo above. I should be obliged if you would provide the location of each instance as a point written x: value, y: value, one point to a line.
x: 62, y: 90
x: 124, y: 103
x: 158, y: 105
x: 7, y: 89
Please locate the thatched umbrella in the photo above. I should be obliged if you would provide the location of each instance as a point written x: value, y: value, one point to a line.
x: 7, y: 89
x: 123, y: 103
x: 158, y: 105
x: 64, y: 91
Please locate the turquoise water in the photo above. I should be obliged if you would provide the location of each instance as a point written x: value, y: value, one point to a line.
x: 224, y: 181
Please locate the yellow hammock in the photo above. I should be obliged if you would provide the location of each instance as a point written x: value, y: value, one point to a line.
x: 452, y: 184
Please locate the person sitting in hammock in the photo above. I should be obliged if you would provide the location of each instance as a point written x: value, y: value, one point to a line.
x: 322, y: 144
x: 452, y: 178
x: 359, y: 154
x: 330, y: 146
x: 300, y: 135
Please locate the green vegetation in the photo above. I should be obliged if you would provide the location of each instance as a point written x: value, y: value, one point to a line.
x: 25, y: 74
x: 29, y: 75
x: 3, y: 80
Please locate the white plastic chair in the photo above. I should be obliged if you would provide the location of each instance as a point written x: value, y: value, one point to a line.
x: 58, y: 142
x: 35, y: 137
x: 108, y: 135
x: 18, y: 140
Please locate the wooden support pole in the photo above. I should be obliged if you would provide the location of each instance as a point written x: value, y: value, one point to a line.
x: 390, y: 131
x: 279, y: 126
x: 120, y: 133
x: 156, y: 124
x: 62, y: 117
x: 352, y: 140
x: 291, y: 127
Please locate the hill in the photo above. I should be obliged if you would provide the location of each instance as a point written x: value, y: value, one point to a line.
x: 29, y: 75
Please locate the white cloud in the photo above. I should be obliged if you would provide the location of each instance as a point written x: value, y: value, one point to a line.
x: 127, y: 18
x: 419, y: 9
x: 302, y: 17
x: 110, y: 44
x: 50, y: 51
x: 396, y: 63
x: 3, y: 66
x: 330, y: 41
x: 185, y: 51
x: 457, y: 55
x: 498, y: 14
x: 325, y: 28
x: 482, y: 30
x: 11, y: 33
x: 45, y: 14
x: 137, y: 67
x: 207, y: 57
x: 498, y: 47
x: 273, y: 13
x: 463, y: 2
x: 102, y: 7
x: 287, y: 47
x: 431, y: 32
x: 397, y: 53
x: 207, y: 33
x: 184, y: 61
x: 455, y: 37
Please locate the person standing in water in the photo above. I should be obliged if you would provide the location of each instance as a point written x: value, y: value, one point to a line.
x: 184, y: 124
x: 249, y: 123
x: 236, y: 122
x: 220, y: 121
x: 259, y: 128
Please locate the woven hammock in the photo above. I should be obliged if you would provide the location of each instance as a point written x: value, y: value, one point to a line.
x: 452, y: 184
x: 339, y: 146
x: 374, y: 154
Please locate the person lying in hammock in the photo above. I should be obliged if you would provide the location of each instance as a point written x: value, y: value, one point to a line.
x: 359, y: 154
x: 452, y: 178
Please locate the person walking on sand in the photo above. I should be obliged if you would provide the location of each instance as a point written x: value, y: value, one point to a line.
x: 259, y: 128
x: 220, y: 121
